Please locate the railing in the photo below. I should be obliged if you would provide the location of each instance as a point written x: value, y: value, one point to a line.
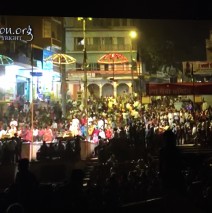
x: 103, y: 73
x: 103, y: 47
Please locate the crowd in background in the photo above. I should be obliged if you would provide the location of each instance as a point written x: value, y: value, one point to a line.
x: 134, y: 157
x: 107, y: 118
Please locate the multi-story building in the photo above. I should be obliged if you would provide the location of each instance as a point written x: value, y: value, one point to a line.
x: 105, y: 53
x: 110, y: 53
x: 27, y: 40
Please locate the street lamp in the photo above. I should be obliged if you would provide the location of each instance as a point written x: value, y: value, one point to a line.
x: 133, y: 35
x: 85, y: 100
x: 32, y: 105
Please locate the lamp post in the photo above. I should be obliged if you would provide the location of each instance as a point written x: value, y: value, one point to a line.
x: 85, y: 98
x: 85, y: 62
x: 32, y: 106
x: 193, y: 86
x: 133, y: 35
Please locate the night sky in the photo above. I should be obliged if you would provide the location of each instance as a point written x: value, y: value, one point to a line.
x: 189, y: 36
x: 187, y: 23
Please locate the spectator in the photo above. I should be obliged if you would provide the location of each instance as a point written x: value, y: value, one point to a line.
x: 171, y: 172
x: 24, y: 190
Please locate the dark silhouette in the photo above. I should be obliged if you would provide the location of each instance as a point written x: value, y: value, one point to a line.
x: 171, y: 167
x: 24, y: 190
x: 77, y: 148
x: 18, y: 147
x: 72, y: 195
x: 171, y: 164
x: 43, y: 152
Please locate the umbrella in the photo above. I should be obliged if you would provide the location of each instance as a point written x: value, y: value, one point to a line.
x: 113, y: 58
x: 62, y: 59
x: 59, y: 58
x: 5, y: 60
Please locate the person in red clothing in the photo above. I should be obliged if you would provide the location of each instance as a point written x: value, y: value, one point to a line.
x: 27, y: 134
x: 83, y: 120
x: 108, y: 132
x: 95, y: 135
x: 48, y: 134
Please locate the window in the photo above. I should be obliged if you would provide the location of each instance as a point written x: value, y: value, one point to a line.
x: 79, y: 41
x: 96, y: 41
x: 47, y: 29
x: 108, y: 40
x: 120, y: 40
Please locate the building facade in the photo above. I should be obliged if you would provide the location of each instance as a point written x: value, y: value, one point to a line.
x: 105, y: 52
x: 27, y: 40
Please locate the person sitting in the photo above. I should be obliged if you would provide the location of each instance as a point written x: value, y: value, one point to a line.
x: 43, y: 152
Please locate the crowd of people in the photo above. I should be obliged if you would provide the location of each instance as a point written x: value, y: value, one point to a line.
x: 136, y: 149
x: 107, y: 118
x: 168, y: 184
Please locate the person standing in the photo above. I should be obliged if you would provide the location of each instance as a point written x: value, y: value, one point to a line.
x: 18, y: 147
x: 171, y: 167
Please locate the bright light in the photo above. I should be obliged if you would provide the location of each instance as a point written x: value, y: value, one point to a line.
x: 133, y: 34
x: 83, y: 18
x: 6, y: 82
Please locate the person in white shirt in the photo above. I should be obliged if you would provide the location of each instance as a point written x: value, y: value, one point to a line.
x: 2, y: 132
x: 75, y: 126
x: 35, y: 134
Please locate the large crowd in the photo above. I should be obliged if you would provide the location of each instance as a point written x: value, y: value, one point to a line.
x: 128, y: 137
x: 107, y: 118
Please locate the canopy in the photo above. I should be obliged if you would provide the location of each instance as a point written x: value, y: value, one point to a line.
x: 59, y: 58
x: 5, y: 60
x: 113, y: 58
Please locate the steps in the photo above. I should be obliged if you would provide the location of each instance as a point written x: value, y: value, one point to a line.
x: 89, y: 168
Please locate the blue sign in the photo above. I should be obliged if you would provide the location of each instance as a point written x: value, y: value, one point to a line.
x: 37, y: 74
x: 47, y: 65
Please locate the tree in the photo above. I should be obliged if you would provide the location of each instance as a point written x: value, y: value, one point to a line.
x: 157, y: 54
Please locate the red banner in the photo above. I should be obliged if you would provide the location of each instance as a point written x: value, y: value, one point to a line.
x: 179, y: 89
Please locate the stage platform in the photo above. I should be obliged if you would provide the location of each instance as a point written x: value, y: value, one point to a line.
x: 29, y: 149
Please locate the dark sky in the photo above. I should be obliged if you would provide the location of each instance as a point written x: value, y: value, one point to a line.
x: 189, y: 36
x: 187, y: 22
x: 183, y: 9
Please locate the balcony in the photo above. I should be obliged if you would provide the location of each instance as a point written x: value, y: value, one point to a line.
x: 101, y: 47
x: 102, y: 74
x: 52, y: 42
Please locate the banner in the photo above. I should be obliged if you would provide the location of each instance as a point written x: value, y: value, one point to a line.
x: 179, y: 89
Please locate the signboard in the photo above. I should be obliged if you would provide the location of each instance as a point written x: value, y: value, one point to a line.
x: 47, y: 65
x: 197, y: 68
x: 179, y: 89
x: 146, y: 100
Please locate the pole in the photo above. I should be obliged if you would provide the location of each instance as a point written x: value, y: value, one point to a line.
x: 63, y: 75
x: 131, y: 63
x: 84, y: 69
x: 193, y: 88
x: 32, y: 109
x: 85, y: 84
x: 63, y: 89
x: 133, y: 35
